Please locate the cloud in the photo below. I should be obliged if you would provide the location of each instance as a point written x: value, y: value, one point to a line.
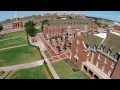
x: 119, y: 16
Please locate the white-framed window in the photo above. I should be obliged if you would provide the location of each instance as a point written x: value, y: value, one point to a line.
x: 106, y: 60
x: 113, y: 65
x: 78, y: 42
x: 101, y: 49
x: 103, y: 68
x: 99, y: 56
x: 109, y: 73
x: 77, y: 49
x: 78, y: 33
x: 88, y: 54
x: 97, y: 64
x: 108, y: 53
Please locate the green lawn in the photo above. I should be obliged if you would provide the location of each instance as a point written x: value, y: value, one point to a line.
x: 30, y: 73
x: 19, y: 55
x: 22, y: 39
x: 13, y: 42
x: 65, y: 71
x: 14, y: 34
x: 47, y: 54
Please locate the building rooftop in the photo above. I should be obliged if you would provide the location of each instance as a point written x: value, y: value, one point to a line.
x: 113, y: 41
x: 93, y: 40
x: 101, y: 35
x: 60, y: 22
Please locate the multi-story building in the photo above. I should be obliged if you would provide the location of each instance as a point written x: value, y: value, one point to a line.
x: 61, y: 26
x: 97, y: 54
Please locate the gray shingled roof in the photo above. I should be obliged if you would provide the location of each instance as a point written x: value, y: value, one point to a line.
x: 64, y: 22
x: 113, y: 41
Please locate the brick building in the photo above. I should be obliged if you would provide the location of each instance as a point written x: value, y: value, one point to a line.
x: 97, y: 55
x: 63, y: 26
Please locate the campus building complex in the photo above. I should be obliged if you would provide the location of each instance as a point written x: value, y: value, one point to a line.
x: 97, y: 54
x: 61, y: 27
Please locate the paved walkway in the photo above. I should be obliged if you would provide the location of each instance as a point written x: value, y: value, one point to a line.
x: 22, y: 66
x: 10, y: 38
x: 42, y: 49
x: 14, y: 47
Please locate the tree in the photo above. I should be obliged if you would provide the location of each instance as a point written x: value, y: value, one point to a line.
x: 44, y: 22
x: 58, y: 47
x: 56, y: 38
x: 29, y: 23
x: 1, y: 27
x: 64, y: 47
x: 31, y: 30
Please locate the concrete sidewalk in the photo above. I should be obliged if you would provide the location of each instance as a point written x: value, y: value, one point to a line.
x: 22, y: 66
x: 14, y: 47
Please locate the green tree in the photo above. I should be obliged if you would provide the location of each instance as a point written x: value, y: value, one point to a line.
x: 64, y: 47
x: 29, y: 23
x: 1, y: 27
x: 43, y: 23
x: 58, y: 47
x: 31, y: 30
x: 56, y: 38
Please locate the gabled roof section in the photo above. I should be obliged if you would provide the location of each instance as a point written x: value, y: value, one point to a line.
x: 93, y: 40
x: 112, y: 42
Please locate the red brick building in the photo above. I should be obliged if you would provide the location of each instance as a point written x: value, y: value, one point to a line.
x: 60, y: 27
x: 116, y: 28
x: 98, y: 57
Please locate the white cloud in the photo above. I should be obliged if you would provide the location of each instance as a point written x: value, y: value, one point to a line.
x: 119, y: 16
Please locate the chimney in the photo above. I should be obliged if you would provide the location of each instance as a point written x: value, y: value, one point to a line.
x: 108, y: 32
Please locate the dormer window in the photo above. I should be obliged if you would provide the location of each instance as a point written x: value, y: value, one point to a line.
x: 109, y: 51
x: 102, y: 47
x: 117, y: 56
x: 94, y: 47
x: 87, y: 45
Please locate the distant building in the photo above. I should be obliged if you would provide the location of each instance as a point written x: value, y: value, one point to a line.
x: 60, y: 27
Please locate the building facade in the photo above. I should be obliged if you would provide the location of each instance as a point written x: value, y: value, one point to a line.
x: 60, y: 27
x: 98, y: 57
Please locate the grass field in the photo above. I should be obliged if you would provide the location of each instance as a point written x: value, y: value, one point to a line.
x: 14, y: 34
x: 65, y: 71
x: 13, y: 42
x: 19, y: 55
x: 30, y: 73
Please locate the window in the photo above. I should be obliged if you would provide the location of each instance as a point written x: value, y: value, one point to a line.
x: 106, y: 60
x: 99, y: 56
x: 78, y: 42
x: 109, y: 73
x: 77, y: 49
x: 101, y: 49
x: 113, y: 65
x: 97, y: 64
x: 78, y: 33
x: 103, y: 68
x: 108, y: 53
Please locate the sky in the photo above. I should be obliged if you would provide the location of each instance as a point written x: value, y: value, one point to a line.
x: 112, y: 15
